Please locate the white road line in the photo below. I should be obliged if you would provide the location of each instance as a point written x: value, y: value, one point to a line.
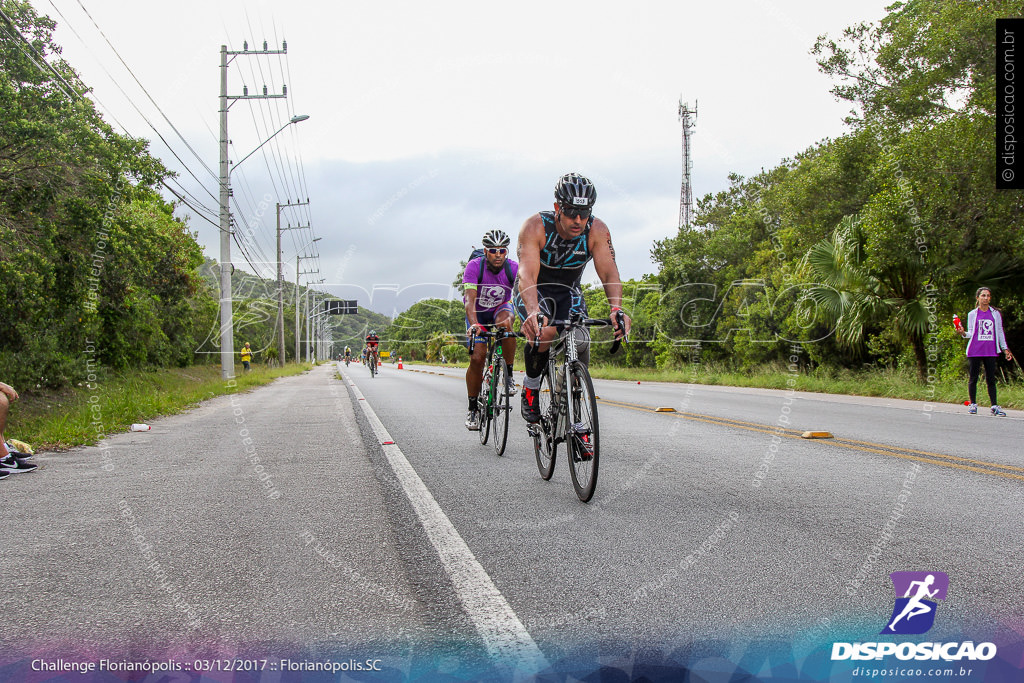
x: 503, y: 633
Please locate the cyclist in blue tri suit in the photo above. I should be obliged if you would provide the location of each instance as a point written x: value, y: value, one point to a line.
x: 554, y: 248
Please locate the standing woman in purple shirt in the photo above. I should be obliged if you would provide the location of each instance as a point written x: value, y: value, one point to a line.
x: 985, y: 339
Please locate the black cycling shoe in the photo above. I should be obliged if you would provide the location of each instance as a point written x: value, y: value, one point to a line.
x: 530, y: 405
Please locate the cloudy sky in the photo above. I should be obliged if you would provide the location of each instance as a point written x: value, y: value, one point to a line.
x: 431, y: 123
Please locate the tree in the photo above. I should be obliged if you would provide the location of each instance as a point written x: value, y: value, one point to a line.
x: 925, y: 61
x: 857, y: 298
x: 90, y: 256
x: 411, y: 332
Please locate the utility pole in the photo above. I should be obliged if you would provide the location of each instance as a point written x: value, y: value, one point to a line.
x: 309, y: 322
x: 227, y: 335
x: 309, y: 326
x: 686, y: 191
x: 280, y: 280
x: 298, y: 273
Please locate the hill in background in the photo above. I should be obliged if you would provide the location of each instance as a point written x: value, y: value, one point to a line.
x: 347, y: 329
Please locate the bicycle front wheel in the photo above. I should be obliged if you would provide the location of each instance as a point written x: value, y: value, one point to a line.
x: 485, y: 406
x: 583, y: 435
x: 501, y: 409
x: 544, y: 446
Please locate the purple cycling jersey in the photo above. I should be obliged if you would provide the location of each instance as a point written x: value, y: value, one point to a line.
x: 494, y: 290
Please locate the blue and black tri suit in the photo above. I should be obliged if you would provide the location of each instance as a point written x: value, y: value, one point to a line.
x: 561, y: 269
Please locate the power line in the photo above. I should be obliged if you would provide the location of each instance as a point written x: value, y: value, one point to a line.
x: 138, y: 110
x: 15, y: 34
x: 143, y: 88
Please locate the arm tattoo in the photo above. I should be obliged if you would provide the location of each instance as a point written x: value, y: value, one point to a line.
x: 611, y: 248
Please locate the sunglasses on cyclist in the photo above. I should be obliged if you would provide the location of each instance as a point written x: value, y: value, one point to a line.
x: 498, y: 250
x: 573, y: 212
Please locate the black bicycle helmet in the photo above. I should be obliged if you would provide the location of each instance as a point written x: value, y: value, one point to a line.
x: 495, y: 238
x: 573, y: 190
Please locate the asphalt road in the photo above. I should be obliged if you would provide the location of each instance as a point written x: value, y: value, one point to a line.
x: 714, y: 528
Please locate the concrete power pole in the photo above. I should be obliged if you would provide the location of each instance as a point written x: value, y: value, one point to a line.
x: 227, y: 335
x: 280, y: 280
x: 298, y: 274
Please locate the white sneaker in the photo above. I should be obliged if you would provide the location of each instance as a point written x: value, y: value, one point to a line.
x: 972, y: 408
x: 473, y: 421
x: 998, y: 412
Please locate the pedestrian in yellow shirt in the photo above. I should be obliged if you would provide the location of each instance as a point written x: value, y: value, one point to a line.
x: 246, y: 356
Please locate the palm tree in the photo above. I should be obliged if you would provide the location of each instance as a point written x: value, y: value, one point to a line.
x: 853, y: 296
x: 438, y: 341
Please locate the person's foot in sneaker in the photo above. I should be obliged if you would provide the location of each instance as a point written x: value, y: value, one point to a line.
x: 972, y: 408
x: 18, y: 454
x: 510, y: 385
x: 12, y: 465
x: 998, y: 412
x: 473, y: 421
x: 530, y: 405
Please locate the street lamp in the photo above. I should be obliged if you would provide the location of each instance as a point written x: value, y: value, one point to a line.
x: 294, y: 119
x: 227, y: 336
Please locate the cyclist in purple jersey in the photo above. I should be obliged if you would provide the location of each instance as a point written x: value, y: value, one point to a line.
x: 487, y: 283
x: 985, y: 340
x: 554, y: 248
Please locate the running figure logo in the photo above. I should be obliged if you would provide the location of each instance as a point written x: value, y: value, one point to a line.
x: 916, y: 592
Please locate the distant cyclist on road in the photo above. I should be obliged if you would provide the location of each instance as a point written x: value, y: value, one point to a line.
x: 488, y: 294
x: 554, y: 248
x: 348, y: 355
x: 372, y: 340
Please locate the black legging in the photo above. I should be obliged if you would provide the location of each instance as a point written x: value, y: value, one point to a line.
x: 990, y: 377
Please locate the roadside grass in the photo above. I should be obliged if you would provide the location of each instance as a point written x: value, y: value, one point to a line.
x: 883, y: 383
x: 81, y: 415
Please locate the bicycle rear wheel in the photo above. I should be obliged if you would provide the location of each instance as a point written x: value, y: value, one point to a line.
x: 544, y: 447
x: 583, y: 435
x: 501, y: 409
x: 373, y: 365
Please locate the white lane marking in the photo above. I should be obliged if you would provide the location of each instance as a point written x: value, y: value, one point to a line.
x: 503, y: 633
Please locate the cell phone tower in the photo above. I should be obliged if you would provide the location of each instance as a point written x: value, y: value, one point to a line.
x: 688, y: 118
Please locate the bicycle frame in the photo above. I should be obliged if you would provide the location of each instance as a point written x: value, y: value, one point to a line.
x: 490, y: 401
x: 571, y: 416
x: 559, y: 398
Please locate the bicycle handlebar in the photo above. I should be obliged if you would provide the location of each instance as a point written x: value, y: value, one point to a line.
x: 500, y: 333
x: 595, y: 322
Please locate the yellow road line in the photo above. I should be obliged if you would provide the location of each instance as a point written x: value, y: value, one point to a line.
x: 929, y: 454
x: 940, y: 459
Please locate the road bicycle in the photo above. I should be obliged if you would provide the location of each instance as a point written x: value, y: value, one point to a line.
x: 493, y: 401
x: 371, y: 361
x: 568, y: 410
